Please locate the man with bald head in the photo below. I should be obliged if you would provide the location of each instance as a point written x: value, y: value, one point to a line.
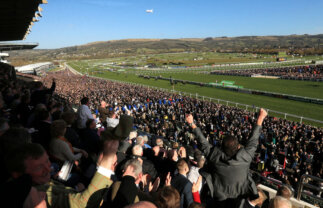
x: 280, y: 202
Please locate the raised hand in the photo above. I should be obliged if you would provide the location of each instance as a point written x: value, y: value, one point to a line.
x: 182, y: 152
x: 262, y: 115
x: 196, y: 185
x: 168, y: 179
x: 154, y: 186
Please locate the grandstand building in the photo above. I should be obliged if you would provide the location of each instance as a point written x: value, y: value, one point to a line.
x: 35, y: 69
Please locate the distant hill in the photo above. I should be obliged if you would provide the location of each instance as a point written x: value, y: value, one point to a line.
x: 300, y: 44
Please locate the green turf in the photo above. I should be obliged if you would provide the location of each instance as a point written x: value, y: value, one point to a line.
x: 292, y: 87
x: 288, y: 106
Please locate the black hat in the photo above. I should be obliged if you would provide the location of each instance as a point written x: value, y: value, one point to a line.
x: 121, y: 131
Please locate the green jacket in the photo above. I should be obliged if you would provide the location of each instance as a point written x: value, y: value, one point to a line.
x: 61, y: 196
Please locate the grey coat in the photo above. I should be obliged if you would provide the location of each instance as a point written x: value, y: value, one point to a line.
x: 230, y: 176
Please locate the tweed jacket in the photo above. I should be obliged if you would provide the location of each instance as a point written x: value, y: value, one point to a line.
x: 61, y: 196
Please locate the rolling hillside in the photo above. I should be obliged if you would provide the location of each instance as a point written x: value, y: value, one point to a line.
x: 300, y: 44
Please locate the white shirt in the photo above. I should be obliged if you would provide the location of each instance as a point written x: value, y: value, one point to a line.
x: 83, y: 114
x: 104, y: 171
x: 193, y: 176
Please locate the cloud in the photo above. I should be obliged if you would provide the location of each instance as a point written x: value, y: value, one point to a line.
x: 105, y: 3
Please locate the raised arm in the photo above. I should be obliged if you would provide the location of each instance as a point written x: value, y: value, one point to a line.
x: 52, y: 88
x: 205, y: 145
x: 252, y: 143
x: 92, y: 196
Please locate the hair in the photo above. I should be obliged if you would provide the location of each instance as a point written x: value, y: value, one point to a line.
x: 13, y: 138
x: 159, y: 142
x: 40, y: 107
x: 137, y: 167
x: 133, y: 134
x: 168, y: 197
x: 280, y: 202
x: 43, y: 115
x: 140, y: 140
x: 230, y: 145
x: 15, y: 160
x: 84, y: 100
x: 181, y: 165
x: 137, y: 150
x: 196, y: 205
x: 111, y: 113
x: 200, y: 162
x: 58, y: 128
x: 284, y: 191
x: 69, y: 117
x: 89, y: 122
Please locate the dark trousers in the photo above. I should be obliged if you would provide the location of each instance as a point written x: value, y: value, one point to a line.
x: 231, y: 202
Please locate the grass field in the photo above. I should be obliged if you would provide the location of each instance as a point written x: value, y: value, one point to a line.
x: 301, y: 88
x: 292, y: 87
x: 197, y: 59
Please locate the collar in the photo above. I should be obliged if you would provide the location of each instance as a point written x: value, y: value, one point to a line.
x: 104, y: 171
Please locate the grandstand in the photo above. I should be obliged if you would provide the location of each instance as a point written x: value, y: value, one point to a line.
x: 2, y: 56
x: 35, y: 69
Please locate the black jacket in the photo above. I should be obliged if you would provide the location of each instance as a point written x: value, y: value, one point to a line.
x: 184, y: 187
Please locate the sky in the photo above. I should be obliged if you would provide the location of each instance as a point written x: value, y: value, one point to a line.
x: 75, y: 22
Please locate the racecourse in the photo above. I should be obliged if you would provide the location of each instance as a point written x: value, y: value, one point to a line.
x: 299, y: 88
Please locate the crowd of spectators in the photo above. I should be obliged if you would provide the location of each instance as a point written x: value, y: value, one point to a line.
x: 139, y: 147
x: 310, y: 72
